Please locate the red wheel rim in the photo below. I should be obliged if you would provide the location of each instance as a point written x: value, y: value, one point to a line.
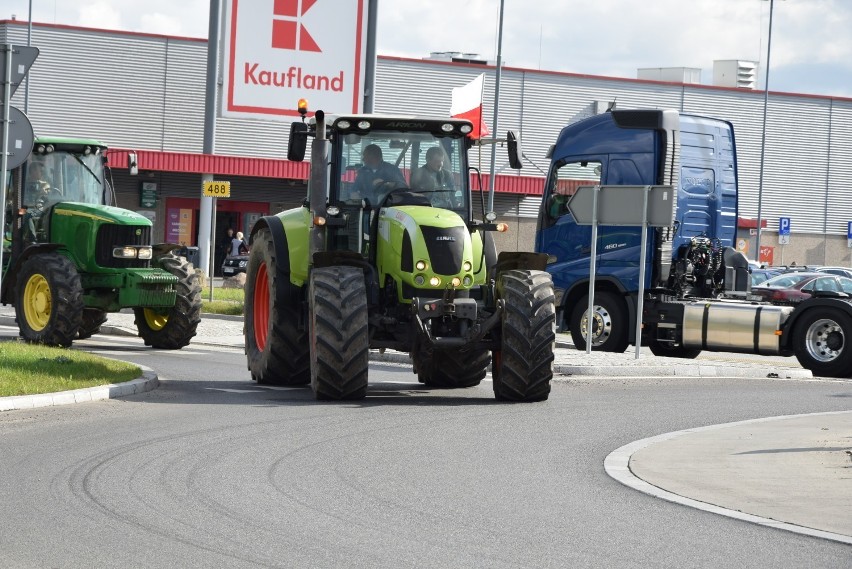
x: 260, y: 307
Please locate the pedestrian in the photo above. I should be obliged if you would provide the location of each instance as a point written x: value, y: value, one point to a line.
x: 239, y: 245
x: 225, y: 245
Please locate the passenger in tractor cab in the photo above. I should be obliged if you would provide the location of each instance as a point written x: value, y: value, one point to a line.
x: 435, y: 180
x: 376, y: 178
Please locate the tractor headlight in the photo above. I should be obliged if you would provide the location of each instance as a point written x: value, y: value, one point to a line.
x: 467, y: 280
x: 124, y: 252
x: 467, y: 266
x: 447, y: 127
x: 419, y: 280
x: 343, y: 124
x: 456, y: 282
x: 364, y: 125
x: 420, y: 265
x: 465, y: 128
x: 435, y: 281
x: 145, y: 253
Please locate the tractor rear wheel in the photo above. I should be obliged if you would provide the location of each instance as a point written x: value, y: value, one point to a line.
x: 49, y: 305
x: 91, y: 322
x: 451, y: 368
x: 339, y: 334
x: 276, y: 347
x: 523, y: 366
x: 173, y: 328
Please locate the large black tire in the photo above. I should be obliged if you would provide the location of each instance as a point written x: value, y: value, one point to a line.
x: 451, y: 368
x: 276, y: 347
x: 523, y: 366
x: 340, y: 342
x: 610, y: 323
x: 821, y: 342
x: 91, y: 322
x: 173, y: 328
x: 49, y: 305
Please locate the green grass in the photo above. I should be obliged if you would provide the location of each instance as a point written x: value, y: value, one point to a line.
x: 27, y: 369
x: 225, y: 301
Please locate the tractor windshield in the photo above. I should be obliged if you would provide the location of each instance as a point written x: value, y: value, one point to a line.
x: 64, y: 176
x: 375, y: 164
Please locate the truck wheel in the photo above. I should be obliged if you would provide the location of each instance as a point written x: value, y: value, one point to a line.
x: 451, y: 368
x: 609, y: 329
x: 821, y: 342
x: 339, y: 335
x: 523, y: 366
x: 49, y: 305
x: 91, y: 322
x: 276, y: 348
x: 173, y: 328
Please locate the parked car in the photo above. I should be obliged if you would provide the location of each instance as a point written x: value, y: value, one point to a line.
x: 759, y: 276
x: 234, y: 265
x: 842, y: 271
x: 797, y: 286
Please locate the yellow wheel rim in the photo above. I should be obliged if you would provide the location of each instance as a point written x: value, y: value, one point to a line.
x: 37, y: 302
x: 155, y: 320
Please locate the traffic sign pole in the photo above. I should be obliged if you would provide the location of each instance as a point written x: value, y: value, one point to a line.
x: 212, y: 248
x: 590, y: 319
x: 643, y: 250
x: 4, y: 162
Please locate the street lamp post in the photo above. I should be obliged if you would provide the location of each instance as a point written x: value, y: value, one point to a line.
x: 763, y: 136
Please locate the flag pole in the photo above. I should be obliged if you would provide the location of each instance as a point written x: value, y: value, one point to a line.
x: 496, y: 109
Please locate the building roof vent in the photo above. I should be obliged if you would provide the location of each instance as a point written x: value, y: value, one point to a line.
x: 458, y: 57
x: 735, y: 73
x: 691, y: 75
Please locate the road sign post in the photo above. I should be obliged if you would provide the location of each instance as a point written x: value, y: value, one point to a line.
x: 621, y: 205
x: 783, y: 231
x: 214, y: 189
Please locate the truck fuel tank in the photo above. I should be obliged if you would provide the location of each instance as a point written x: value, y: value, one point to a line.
x: 734, y: 326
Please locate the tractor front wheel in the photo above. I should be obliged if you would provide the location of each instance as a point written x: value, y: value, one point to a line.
x: 49, y: 305
x: 339, y: 334
x: 523, y: 366
x: 173, y: 328
x: 91, y: 322
x: 451, y: 368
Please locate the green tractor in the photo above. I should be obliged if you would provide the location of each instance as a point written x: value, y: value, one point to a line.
x: 69, y: 257
x: 407, y: 268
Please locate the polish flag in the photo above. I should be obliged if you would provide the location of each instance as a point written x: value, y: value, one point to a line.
x: 467, y: 104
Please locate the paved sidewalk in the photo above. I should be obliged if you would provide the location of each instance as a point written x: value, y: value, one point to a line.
x: 791, y: 472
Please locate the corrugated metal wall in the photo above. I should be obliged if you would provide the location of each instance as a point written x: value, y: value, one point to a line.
x: 147, y: 92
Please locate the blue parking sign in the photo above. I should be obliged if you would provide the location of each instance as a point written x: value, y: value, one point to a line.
x: 783, y: 226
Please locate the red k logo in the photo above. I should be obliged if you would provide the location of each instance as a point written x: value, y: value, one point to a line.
x: 287, y: 29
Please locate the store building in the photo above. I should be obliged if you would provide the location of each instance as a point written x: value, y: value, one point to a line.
x: 143, y: 95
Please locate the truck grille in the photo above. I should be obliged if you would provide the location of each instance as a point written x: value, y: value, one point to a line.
x: 111, y: 236
x: 446, y: 248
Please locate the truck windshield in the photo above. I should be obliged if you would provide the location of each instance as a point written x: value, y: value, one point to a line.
x: 373, y: 165
x: 64, y: 176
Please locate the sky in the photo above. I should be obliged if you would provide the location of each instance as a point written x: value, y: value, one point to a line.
x: 811, y: 49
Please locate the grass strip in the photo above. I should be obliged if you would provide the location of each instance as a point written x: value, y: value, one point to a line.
x: 29, y: 369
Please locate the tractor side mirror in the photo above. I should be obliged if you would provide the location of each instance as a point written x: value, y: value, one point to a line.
x: 298, y: 142
x: 513, y: 142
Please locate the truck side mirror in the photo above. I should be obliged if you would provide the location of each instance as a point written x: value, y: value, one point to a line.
x: 513, y: 142
x: 298, y: 142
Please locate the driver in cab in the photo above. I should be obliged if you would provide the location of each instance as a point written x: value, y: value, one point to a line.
x: 39, y: 190
x: 376, y: 177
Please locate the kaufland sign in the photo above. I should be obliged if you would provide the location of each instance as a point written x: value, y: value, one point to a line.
x: 280, y: 51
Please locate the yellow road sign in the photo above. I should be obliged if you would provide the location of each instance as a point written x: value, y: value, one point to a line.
x: 216, y: 189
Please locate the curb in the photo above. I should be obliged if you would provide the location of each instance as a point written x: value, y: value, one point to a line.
x: 683, y: 370
x: 146, y: 382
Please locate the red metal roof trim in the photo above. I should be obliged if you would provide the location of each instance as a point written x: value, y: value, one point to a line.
x: 158, y: 161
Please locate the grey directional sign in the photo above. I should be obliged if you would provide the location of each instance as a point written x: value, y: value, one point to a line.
x: 20, y: 138
x: 622, y: 205
x: 22, y: 59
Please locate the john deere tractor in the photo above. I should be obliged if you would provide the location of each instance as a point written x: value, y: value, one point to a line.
x: 407, y: 267
x: 69, y: 257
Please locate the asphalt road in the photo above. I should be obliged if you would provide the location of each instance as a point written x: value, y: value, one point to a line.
x: 211, y: 470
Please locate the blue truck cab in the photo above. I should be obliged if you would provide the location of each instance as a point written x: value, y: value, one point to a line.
x: 697, y: 156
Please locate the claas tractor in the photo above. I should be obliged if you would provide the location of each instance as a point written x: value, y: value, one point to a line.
x: 69, y: 257
x: 394, y: 262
